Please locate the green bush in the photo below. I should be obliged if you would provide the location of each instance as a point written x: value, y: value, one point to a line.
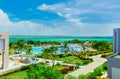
x: 105, y: 55
x: 43, y: 72
x: 46, y: 61
x: 58, y: 63
x: 39, y: 55
x: 93, y: 75
x: 105, y: 66
x: 70, y: 77
x: 82, y: 76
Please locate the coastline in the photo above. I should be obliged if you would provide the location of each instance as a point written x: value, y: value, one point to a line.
x: 58, y: 38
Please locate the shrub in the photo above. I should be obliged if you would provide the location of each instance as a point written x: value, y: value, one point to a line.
x: 105, y: 55
x: 58, y: 63
x: 70, y: 77
x: 61, y: 55
x: 46, y: 61
x: 69, y: 54
x: 93, y: 75
x: 71, y: 68
x: 97, y: 72
x: 43, y: 72
x: 64, y: 71
x: 39, y: 55
x: 82, y: 76
x: 105, y: 66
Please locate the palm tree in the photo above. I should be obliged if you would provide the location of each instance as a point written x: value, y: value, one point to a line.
x: 52, y: 53
x: 13, y: 46
x: 86, y: 44
x: 28, y: 49
x: 46, y: 53
x: 20, y: 45
x: 65, y: 48
x: 11, y: 51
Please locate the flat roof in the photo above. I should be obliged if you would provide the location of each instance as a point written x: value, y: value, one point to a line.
x: 116, y: 29
x: 115, y: 56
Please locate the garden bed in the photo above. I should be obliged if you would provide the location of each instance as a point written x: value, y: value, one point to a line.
x: 75, y: 60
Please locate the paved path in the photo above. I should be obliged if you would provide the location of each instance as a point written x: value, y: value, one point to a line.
x: 56, y: 61
x: 12, y: 66
x: 97, y: 61
x: 83, y: 70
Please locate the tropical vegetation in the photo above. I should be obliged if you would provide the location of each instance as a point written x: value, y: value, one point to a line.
x: 46, y: 72
x: 78, y: 58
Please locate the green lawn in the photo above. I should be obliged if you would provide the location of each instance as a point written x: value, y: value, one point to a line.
x: 70, y: 59
x: 75, y: 60
x: 22, y: 74
x: 59, y: 67
x: 17, y: 75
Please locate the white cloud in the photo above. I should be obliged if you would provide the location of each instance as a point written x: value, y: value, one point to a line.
x: 53, y: 7
x: 57, y: 28
x: 73, y: 9
x: 114, y: 7
x: 21, y: 27
x: 4, y: 18
x: 62, y: 10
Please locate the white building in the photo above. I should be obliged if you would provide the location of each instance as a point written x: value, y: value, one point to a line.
x: 116, y: 36
x: 74, y: 47
x: 114, y: 60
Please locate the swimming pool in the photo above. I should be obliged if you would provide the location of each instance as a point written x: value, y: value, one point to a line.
x: 38, y: 50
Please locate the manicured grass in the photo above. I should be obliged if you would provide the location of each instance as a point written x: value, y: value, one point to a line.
x: 22, y: 74
x: 75, y: 60
x: 59, y: 67
x: 17, y: 75
x: 70, y: 59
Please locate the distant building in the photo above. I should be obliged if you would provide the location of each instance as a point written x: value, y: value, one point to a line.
x: 116, y: 40
x: 114, y: 60
x: 74, y: 47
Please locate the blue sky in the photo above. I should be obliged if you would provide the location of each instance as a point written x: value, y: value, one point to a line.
x: 59, y: 17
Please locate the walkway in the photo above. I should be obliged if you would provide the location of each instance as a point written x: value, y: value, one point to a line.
x: 97, y: 61
x: 56, y: 61
x: 83, y: 70
x: 12, y: 66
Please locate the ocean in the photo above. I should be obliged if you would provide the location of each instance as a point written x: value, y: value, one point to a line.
x: 58, y: 38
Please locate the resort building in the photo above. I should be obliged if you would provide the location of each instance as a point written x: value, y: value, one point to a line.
x: 4, y: 47
x: 114, y: 60
x: 74, y: 47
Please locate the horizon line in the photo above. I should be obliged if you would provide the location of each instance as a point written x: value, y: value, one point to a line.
x: 60, y: 36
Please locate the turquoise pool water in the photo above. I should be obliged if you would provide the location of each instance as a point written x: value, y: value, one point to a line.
x: 38, y: 50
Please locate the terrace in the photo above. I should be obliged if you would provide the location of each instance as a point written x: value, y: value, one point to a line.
x: 113, y: 65
x: 115, y: 55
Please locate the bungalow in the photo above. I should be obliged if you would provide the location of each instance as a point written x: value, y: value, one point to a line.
x: 74, y: 47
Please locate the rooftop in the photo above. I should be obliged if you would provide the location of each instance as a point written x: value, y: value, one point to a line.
x: 115, y: 56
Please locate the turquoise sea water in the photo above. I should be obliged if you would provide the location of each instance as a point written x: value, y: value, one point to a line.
x: 56, y: 38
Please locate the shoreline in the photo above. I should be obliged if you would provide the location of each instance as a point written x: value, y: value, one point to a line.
x: 58, y: 39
